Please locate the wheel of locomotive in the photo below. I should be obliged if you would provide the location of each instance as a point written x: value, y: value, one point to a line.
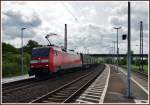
x: 41, y: 76
x: 38, y: 76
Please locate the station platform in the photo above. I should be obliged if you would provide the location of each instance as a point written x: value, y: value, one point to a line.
x: 117, y: 88
x: 15, y: 78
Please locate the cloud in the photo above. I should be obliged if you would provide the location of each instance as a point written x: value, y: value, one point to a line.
x: 93, y: 27
x: 139, y: 12
x: 15, y: 20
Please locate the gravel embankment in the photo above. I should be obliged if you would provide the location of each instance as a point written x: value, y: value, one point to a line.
x: 30, y: 93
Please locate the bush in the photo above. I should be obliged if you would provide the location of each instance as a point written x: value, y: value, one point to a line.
x: 11, y: 65
x: 10, y: 69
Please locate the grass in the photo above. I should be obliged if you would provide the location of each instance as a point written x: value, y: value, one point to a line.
x: 135, y: 68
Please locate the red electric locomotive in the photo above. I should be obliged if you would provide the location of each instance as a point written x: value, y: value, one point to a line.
x: 51, y: 59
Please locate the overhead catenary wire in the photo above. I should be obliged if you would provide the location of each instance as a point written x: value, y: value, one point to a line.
x: 71, y: 13
x: 76, y: 19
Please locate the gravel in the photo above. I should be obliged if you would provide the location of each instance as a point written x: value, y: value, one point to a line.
x: 28, y: 94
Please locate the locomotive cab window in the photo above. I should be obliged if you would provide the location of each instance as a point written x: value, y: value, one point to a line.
x: 40, y: 52
x: 56, y: 53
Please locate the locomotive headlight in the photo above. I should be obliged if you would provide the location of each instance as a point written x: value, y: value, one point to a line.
x: 44, y: 61
x: 32, y: 66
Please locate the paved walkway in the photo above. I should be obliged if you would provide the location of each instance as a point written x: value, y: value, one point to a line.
x: 139, y: 79
x: 116, y: 89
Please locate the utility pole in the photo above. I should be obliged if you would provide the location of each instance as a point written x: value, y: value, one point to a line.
x: 22, y: 49
x: 117, y: 28
x: 112, y: 54
x: 129, y: 52
x: 114, y: 50
x: 141, y: 46
x: 65, y: 39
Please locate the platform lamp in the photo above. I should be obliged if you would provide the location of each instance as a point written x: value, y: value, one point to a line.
x: 117, y: 28
x: 23, y: 28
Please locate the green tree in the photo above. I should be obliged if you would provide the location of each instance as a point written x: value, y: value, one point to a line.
x: 30, y: 45
x: 11, y: 65
x: 9, y: 48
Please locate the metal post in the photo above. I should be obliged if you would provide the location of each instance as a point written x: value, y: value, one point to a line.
x: 129, y: 52
x: 117, y: 49
x: 141, y: 34
x: 22, y: 49
x: 117, y: 28
x: 142, y: 43
x: 140, y: 47
x: 65, y: 40
x: 112, y: 55
x: 114, y: 50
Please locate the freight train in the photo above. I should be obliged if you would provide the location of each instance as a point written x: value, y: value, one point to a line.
x: 52, y: 59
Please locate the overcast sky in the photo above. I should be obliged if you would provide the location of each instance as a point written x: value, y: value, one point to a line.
x: 90, y: 24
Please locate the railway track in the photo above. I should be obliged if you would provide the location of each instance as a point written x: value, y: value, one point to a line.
x: 16, y: 85
x: 21, y: 84
x: 69, y: 92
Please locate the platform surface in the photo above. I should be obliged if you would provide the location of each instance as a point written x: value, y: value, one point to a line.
x: 117, y: 88
x: 16, y: 78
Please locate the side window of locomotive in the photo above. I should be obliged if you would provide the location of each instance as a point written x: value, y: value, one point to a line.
x: 56, y: 53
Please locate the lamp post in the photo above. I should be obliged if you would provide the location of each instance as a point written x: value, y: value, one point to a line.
x: 117, y: 28
x: 22, y: 49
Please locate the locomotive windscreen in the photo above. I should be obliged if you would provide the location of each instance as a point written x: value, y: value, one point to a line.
x: 40, y: 52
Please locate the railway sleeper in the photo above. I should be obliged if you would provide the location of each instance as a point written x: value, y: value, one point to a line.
x: 68, y: 91
x: 95, y: 91
x: 93, y: 96
x: 90, y: 99
x: 60, y: 96
x: 63, y: 93
x: 51, y: 99
x: 91, y: 92
x: 82, y: 101
x: 99, y: 89
x: 73, y: 87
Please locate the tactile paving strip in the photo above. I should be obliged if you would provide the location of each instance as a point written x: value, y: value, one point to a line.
x: 95, y: 93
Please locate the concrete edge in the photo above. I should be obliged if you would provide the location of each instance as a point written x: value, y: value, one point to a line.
x: 106, y: 86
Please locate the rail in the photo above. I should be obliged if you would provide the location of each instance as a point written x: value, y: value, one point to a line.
x: 70, y: 91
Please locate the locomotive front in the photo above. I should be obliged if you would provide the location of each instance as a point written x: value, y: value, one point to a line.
x: 39, y: 64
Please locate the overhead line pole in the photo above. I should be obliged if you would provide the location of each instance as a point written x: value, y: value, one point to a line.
x: 129, y: 52
x: 114, y: 49
x: 142, y: 43
x: 65, y: 39
x: 22, y: 49
x: 141, y: 46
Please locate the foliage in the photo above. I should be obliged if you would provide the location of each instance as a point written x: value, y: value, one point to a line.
x: 30, y: 45
x: 11, y: 65
x: 8, y: 48
x: 11, y: 58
